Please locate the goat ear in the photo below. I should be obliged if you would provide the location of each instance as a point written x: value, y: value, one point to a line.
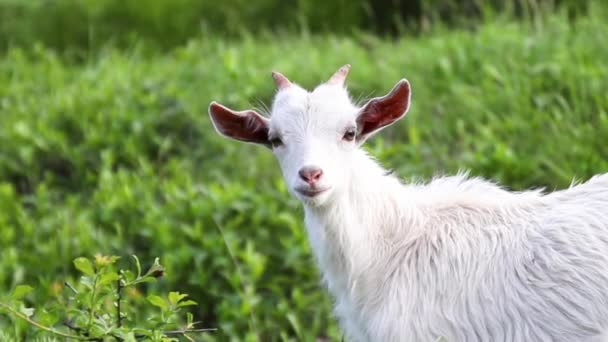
x: 247, y: 125
x: 380, y: 112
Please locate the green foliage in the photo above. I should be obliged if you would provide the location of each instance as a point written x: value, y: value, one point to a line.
x: 84, y: 25
x: 96, y: 309
x: 116, y: 155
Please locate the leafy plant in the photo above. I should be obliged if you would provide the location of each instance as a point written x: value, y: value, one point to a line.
x: 94, y: 310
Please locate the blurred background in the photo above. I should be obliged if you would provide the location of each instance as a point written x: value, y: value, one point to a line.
x: 106, y: 146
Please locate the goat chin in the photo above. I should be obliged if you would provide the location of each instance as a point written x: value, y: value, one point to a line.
x: 463, y: 259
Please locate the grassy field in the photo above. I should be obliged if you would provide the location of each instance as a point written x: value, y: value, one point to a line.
x: 115, y: 154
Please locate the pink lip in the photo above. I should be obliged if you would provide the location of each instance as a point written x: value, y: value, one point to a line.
x: 311, y: 192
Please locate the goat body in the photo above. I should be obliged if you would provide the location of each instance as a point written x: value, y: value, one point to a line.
x: 464, y: 259
x: 459, y: 258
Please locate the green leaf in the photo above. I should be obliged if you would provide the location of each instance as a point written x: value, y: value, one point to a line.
x: 130, y: 337
x: 84, y: 265
x: 186, y: 303
x: 189, y: 320
x: 125, y: 335
x: 46, y: 317
x: 156, y: 270
x: 29, y: 312
x: 137, y: 265
x: 127, y: 276
x: 143, y: 280
x: 293, y: 320
x: 108, y: 278
x: 87, y: 282
x: 140, y: 331
x: 21, y: 291
x: 96, y: 331
x: 175, y: 297
x: 158, y: 301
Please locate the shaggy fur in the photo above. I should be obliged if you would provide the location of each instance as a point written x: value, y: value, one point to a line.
x: 458, y: 258
x: 465, y: 260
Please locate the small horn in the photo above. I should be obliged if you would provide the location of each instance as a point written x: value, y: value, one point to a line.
x: 281, y: 81
x: 339, y: 77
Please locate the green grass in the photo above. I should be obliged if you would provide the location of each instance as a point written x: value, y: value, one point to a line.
x: 116, y: 155
x: 79, y: 26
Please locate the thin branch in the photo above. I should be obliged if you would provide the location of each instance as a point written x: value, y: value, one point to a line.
x: 119, y: 297
x: 40, y: 326
x: 92, y: 308
x: 179, y: 333
x: 188, y: 331
x: 78, y: 330
x: 71, y: 287
x: 71, y: 326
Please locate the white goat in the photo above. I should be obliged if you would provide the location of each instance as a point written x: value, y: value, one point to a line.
x: 459, y: 258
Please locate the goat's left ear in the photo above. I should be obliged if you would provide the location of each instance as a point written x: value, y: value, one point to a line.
x: 247, y: 125
x: 381, y: 112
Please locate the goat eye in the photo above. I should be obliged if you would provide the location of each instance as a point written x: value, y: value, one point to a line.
x: 276, y: 142
x: 349, y: 135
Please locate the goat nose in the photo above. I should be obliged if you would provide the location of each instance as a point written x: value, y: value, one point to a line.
x: 310, y: 174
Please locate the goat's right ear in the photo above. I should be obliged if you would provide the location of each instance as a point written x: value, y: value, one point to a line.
x: 382, y: 111
x: 247, y: 125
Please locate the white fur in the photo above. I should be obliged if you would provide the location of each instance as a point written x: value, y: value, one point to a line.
x: 458, y: 258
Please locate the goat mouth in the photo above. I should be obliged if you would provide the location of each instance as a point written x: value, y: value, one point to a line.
x: 311, y: 192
